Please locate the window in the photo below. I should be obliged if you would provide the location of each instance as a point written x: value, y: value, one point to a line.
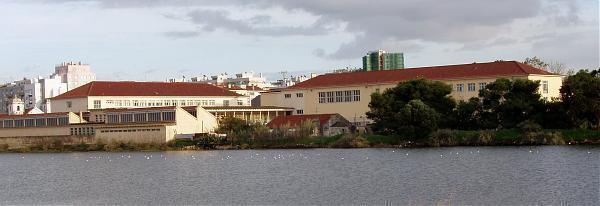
x: 330, y: 97
x: 141, y: 117
x: 30, y: 122
x: 347, y: 96
x: 204, y: 102
x: 299, y: 111
x: 211, y: 102
x: 240, y: 102
x: 63, y: 121
x: 126, y: 117
x: 322, y: 97
x: 459, y: 87
x: 225, y: 102
x: 356, y: 95
x: 112, y: 118
x: 482, y: 85
x: 287, y: 96
x: 40, y: 122
x: 52, y: 121
x: 97, y: 104
x: 154, y: 117
x: 69, y: 104
x: 19, y: 123
x: 168, y: 116
x: 9, y: 123
x: 377, y: 90
x: 545, y: 87
x: 339, y: 96
x: 299, y: 95
x: 471, y: 87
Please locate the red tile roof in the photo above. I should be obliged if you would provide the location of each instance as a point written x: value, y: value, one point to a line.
x: 100, y: 88
x: 490, y: 69
x: 296, y: 120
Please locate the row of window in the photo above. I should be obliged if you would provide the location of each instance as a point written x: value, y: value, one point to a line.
x: 38, y: 122
x: 471, y: 87
x: 339, y: 96
x: 158, y: 103
x: 83, y: 131
x: 298, y: 95
x: 141, y: 117
x: 129, y: 130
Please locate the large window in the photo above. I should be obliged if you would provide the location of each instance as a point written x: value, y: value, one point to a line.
x: 112, y: 118
x: 322, y: 97
x: 339, y: 96
x: 459, y: 87
x: 168, y: 116
x: 97, y: 104
x: 154, y: 117
x: 140, y: 117
x: 287, y: 96
x: 545, y: 87
x: 126, y: 117
x: 471, y: 87
x: 482, y: 85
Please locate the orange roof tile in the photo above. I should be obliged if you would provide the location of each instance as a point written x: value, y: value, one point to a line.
x: 490, y: 69
x: 101, y: 88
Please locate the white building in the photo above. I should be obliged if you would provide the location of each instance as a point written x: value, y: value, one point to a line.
x: 34, y: 92
x: 108, y: 95
x: 74, y: 74
x: 240, y: 79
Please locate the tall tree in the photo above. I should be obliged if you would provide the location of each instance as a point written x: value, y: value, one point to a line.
x: 385, y: 106
x: 550, y: 66
x: 580, y: 95
x: 507, y: 103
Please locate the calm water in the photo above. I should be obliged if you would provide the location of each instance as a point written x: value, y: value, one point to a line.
x: 461, y: 175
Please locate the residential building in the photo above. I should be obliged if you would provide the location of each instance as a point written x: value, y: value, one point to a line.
x: 34, y: 92
x: 74, y: 74
x: 349, y: 94
x: 240, y: 79
x: 106, y: 95
x: 252, y: 92
x: 325, y: 124
x: 292, y: 80
x: 381, y: 60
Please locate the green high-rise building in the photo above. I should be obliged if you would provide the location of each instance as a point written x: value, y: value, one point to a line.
x: 380, y: 60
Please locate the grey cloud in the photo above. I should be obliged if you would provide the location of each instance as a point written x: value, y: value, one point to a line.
x: 376, y: 24
x: 182, y: 34
x: 211, y: 20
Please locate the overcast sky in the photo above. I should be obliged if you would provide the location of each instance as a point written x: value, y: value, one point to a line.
x: 156, y: 39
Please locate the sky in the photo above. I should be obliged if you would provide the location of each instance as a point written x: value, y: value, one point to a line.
x: 152, y: 40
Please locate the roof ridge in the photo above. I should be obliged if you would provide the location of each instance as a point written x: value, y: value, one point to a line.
x: 520, y: 67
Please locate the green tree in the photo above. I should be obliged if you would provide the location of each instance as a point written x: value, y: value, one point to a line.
x: 384, y: 107
x: 416, y: 120
x: 467, y: 114
x: 536, y: 62
x: 507, y: 103
x: 580, y: 95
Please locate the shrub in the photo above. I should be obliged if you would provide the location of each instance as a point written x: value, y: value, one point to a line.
x: 350, y: 141
x: 443, y: 137
x: 529, y: 126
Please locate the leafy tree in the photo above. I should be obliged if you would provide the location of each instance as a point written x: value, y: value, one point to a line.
x: 416, y: 120
x: 536, y: 62
x: 580, y: 95
x: 507, y: 103
x: 467, y: 115
x: 384, y: 107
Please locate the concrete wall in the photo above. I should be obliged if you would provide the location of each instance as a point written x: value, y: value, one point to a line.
x: 132, y: 133
x: 26, y: 141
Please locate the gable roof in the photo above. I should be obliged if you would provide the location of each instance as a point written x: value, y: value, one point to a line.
x: 102, y: 88
x: 296, y: 120
x: 490, y: 69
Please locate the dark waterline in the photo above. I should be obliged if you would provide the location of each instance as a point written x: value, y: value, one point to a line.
x: 567, y: 175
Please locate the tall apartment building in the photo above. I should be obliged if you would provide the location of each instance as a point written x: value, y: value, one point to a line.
x: 381, y: 60
x: 74, y: 74
x: 35, y: 91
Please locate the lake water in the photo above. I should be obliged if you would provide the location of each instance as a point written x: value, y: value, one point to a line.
x: 557, y: 175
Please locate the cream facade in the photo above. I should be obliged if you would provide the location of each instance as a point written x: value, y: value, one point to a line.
x: 352, y: 101
x: 110, y: 102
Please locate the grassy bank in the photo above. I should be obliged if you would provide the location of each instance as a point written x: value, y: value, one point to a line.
x: 440, y: 138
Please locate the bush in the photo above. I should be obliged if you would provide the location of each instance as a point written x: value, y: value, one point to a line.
x: 443, y: 137
x: 529, y: 126
x: 350, y: 141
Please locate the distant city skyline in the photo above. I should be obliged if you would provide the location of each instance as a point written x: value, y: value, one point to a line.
x: 160, y: 39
